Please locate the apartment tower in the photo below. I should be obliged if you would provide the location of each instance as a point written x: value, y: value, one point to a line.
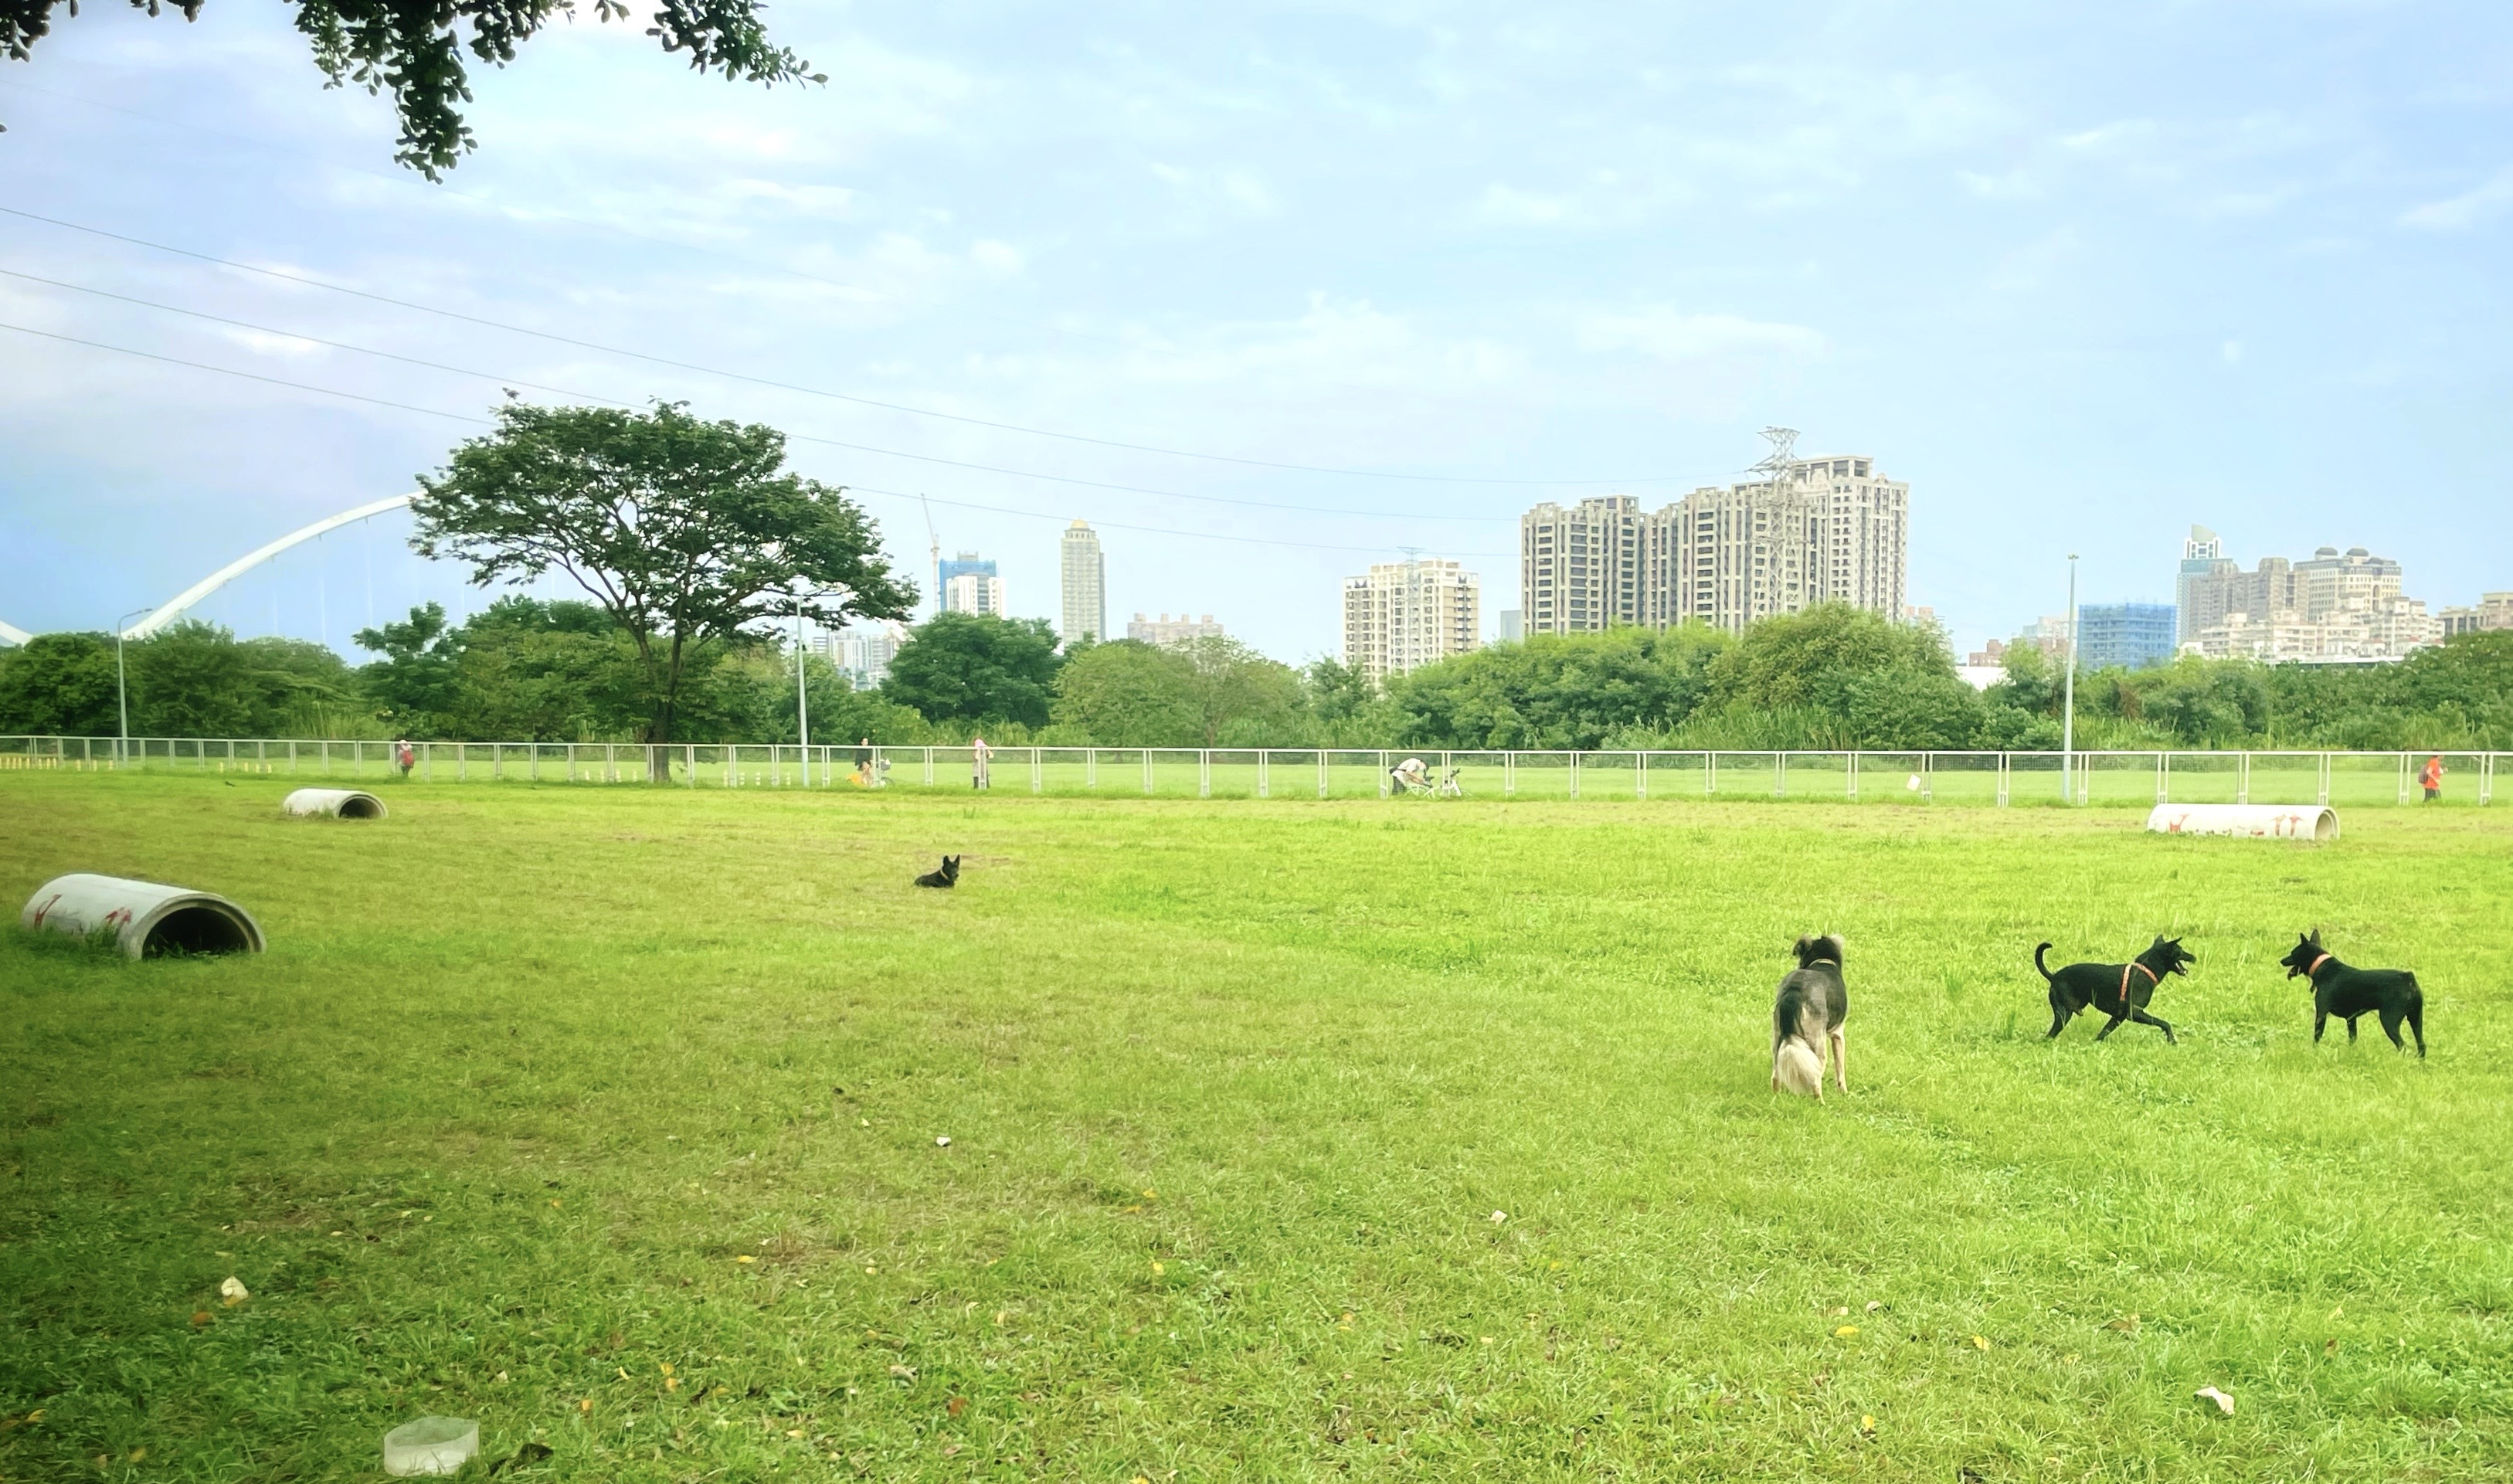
x: 969, y: 583
x: 1402, y: 615
x: 1580, y: 569
x: 1086, y: 585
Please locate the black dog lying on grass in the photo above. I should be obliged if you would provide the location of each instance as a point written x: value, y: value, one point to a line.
x: 948, y: 878
x: 2119, y: 991
x: 2346, y: 992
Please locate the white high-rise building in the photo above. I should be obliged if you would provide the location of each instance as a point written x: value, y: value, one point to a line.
x: 1579, y: 569
x: 969, y: 583
x: 1086, y: 585
x: 1403, y: 614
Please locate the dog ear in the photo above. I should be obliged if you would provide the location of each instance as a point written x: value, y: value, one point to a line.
x: 1801, y: 948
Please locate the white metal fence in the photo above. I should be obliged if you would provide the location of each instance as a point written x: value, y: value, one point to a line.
x: 2359, y: 779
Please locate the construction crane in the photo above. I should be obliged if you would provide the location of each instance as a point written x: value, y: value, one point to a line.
x: 935, y: 537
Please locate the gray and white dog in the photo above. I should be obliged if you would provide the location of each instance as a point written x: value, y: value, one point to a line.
x: 1807, y: 1015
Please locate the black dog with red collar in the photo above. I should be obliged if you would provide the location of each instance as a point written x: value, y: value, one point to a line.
x: 2346, y: 992
x: 2119, y: 991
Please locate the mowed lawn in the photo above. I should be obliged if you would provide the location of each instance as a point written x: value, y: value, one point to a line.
x: 1287, y: 1140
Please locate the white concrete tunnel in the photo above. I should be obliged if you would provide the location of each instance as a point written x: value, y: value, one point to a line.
x: 148, y: 920
x: 2260, y: 822
x: 336, y: 803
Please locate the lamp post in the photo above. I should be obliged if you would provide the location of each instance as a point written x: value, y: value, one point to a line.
x: 802, y: 695
x: 2068, y: 706
x: 122, y: 689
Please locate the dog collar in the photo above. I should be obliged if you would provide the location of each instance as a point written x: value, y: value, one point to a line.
x: 2316, y: 966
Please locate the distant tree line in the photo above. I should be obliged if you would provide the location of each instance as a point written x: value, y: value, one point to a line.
x: 528, y: 669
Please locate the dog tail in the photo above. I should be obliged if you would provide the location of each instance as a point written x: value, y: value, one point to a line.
x: 2038, y: 950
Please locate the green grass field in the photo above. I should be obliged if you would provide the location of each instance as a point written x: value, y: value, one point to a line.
x: 609, y: 1118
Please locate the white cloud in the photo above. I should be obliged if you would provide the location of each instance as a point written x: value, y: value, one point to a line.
x: 1673, y: 335
x: 2458, y: 213
x: 994, y: 257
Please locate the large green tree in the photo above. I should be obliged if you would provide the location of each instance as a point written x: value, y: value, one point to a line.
x: 60, y: 685
x: 969, y: 668
x: 1558, y: 690
x: 1129, y: 694
x: 414, y: 50
x: 685, y: 532
x: 1240, y: 696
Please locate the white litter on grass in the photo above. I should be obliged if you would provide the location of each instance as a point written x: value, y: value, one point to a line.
x: 2224, y: 1403
x: 1912, y: 783
x: 233, y: 1292
x: 430, y: 1445
x: 1500, y: 1216
x: 942, y: 1141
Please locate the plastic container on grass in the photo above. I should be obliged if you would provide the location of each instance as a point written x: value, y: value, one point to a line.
x: 430, y: 1445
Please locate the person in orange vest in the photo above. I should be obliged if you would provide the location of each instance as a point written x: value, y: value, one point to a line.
x: 2432, y: 777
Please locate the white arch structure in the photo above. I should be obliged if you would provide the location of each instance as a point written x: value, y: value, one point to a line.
x: 10, y: 633
x: 175, y: 608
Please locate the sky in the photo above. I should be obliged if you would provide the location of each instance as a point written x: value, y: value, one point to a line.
x: 1350, y: 278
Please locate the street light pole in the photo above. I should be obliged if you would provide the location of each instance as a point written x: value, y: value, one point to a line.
x: 802, y: 697
x: 2068, y: 713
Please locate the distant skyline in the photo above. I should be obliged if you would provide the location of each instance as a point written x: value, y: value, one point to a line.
x: 2083, y: 279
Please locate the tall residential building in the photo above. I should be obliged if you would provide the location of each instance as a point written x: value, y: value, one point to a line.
x: 1511, y: 626
x: 1086, y: 585
x: 1401, y: 614
x: 2198, y: 597
x: 968, y: 583
x: 1168, y: 630
x: 2125, y: 635
x: 1579, y: 570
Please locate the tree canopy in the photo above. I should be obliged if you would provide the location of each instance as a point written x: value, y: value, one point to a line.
x: 685, y: 532
x: 974, y: 668
x: 414, y: 50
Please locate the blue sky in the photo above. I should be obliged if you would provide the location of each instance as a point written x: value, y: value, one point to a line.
x: 2081, y: 274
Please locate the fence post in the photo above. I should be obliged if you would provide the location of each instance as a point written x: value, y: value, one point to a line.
x: 1264, y: 785
x: 1148, y: 772
x: 1509, y: 774
x: 1037, y: 773
x: 1090, y: 768
x: 1780, y: 775
x: 2324, y: 771
x: 1640, y: 775
x: 1204, y: 773
x: 2004, y: 761
x: 2404, y: 778
x: 1383, y: 775
x: 1850, y: 790
x: 1709, y: 774
x: 2242, y: 777
x: 1326, y: 760
x: 1928, y: 778
x: 1574, y: 775
x: 323, y: 748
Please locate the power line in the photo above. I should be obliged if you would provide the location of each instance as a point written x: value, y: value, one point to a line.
x: 330, y: 392
x: 307, y: 281
x: 861, y: 448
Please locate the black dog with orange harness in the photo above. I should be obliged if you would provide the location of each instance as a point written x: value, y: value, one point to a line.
x: 2346, y: 992
x: 2119, y: 991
